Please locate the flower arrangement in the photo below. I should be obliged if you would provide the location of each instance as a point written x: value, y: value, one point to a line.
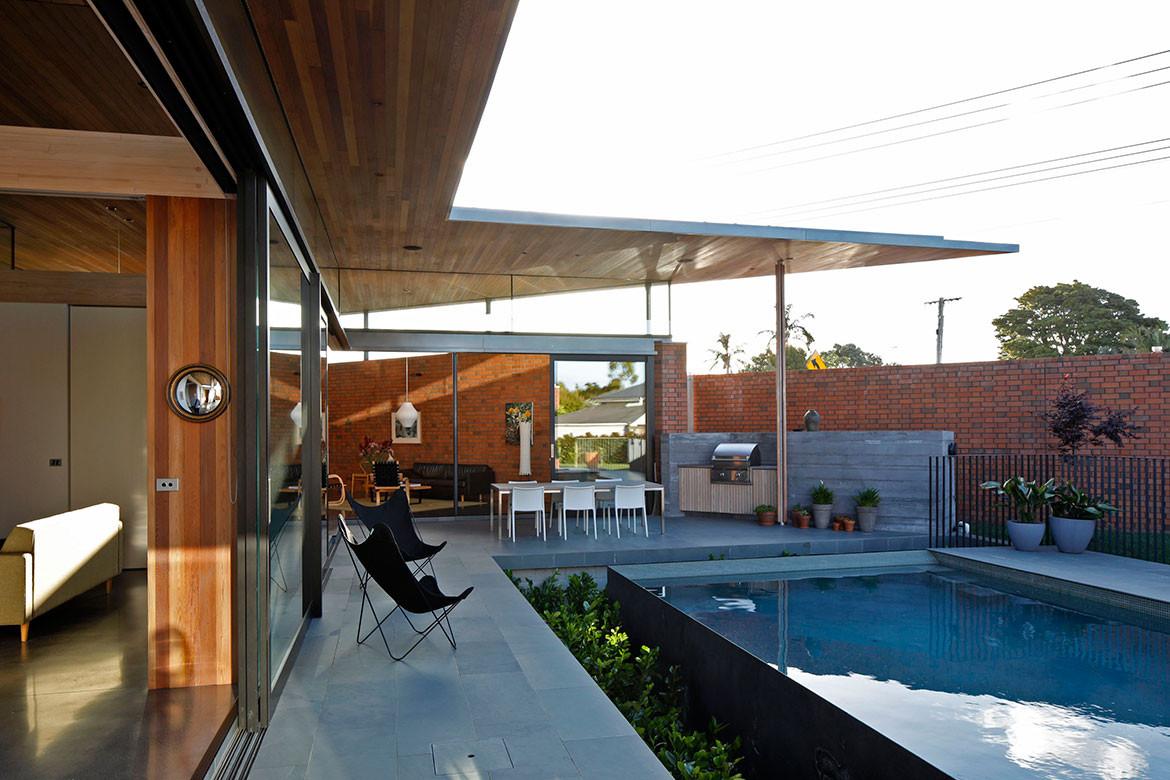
x: 372, y: 452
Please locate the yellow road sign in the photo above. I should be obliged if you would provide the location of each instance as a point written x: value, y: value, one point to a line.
x: 815, y: 361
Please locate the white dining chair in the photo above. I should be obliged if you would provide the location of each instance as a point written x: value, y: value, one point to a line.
x: 515, y: 482
x: 631, y: 499
x: 605, y: 503
x: 556, y: 502
x: 581, y: 499
x: 527, y: 498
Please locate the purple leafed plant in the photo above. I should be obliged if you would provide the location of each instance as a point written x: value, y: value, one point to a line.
x: 1076, y: 422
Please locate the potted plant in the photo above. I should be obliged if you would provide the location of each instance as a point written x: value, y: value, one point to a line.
x: 867, y: 509
x: 798, y: 516
x: 822, y: 505
x: 847, y: 523
x: 1074, y: 518
x: 1026, y: 499
x: 766, y: 514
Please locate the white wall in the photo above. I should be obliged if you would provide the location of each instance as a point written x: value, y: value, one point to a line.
x: 34, y: 411
x: 107, y: 412
x: 73, y: 386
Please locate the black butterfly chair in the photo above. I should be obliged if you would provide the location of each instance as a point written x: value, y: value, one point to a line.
x: 383, y: 563
x: 396, y: 514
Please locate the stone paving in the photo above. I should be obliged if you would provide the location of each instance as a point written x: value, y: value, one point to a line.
x: 511, y: 702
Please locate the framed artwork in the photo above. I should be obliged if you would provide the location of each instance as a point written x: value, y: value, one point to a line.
x: 514, y: 414
x: 403, y: 434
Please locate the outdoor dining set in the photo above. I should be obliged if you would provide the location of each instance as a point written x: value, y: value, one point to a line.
x: 617, y: 500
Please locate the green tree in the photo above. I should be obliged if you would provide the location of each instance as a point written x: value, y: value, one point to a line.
x: 795, y: 359
x: 624, y: 372
x: 850, y: 356
x: 1068, y: 319
x: 797, y: 332
x: 726, y: 353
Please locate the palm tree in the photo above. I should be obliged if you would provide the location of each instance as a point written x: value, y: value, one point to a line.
x: 792, y: 325
x: 726, y: 353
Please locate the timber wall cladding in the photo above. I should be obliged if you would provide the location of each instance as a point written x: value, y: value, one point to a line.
x: 991, y: 407
x: 362, y: 396
x: 192, y: 532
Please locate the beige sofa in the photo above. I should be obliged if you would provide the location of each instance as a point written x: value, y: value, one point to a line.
x: 46, y: 562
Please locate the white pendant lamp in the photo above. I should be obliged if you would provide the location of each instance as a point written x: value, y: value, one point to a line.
x: 407, y: 414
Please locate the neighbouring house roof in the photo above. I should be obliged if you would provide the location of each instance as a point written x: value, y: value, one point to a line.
x: 623, y: 395
x: 614, y: 414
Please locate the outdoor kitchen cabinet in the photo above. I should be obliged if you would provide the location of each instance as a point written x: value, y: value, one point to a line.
x: 696, y: 492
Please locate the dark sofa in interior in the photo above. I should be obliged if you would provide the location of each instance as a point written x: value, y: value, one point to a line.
x: 475, y: 480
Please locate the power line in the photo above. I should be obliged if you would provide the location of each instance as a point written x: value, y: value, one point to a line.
x: 944, y: 105
x: 926, y: 136
x: 999, y: 187
x: 804, y: 207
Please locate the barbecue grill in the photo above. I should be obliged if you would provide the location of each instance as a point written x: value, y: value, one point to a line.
x: 731, y: 463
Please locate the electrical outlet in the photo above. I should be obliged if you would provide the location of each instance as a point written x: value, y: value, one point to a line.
x: 166, y: 485
x: 54, y: 462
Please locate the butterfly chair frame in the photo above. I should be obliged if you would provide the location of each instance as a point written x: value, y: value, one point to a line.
x: 382, y: 563
x: 278, y: 518
x: 396, y: 514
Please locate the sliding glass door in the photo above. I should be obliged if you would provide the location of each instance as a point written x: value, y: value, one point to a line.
x: 601, y: 415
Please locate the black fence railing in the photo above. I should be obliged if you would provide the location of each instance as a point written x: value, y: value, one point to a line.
x: 963, y: 515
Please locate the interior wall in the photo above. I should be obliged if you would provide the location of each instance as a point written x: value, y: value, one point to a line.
x: 107, y: 413
x: 34, y: 412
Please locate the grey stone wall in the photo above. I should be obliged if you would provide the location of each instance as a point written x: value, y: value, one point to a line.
x: 894, y: 462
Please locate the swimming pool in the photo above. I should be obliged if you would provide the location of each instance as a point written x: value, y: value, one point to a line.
x: 979, y: 677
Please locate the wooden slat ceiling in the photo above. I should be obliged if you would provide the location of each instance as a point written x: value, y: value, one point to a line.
x: 74, y: 234
x: 384, y: 98
x: 60, y: 68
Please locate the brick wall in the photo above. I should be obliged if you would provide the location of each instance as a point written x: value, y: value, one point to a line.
x: 991, y: 407
x: 670, y: 393
x: 363, y: 395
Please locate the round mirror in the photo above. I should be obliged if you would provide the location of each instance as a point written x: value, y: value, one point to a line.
x: 198, y: 393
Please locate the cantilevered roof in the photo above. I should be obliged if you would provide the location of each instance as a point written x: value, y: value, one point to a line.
x: 383, y: 102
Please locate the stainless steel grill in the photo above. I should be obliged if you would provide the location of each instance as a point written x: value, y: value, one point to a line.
x: 731, y: 463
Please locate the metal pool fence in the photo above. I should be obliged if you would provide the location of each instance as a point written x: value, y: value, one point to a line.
x: 964, y: 515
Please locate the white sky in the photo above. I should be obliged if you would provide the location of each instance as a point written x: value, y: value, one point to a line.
x: 624, y: 108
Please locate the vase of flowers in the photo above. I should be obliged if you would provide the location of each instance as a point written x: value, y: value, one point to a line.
x: 371, y: 452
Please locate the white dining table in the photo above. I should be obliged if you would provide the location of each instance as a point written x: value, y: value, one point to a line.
x: 501, y: 489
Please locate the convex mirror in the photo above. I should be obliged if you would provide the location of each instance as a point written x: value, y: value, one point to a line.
x: 198, y: 393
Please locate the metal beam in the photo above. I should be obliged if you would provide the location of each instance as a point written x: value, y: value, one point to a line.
x: 781, y: 397
x: 460, y: 341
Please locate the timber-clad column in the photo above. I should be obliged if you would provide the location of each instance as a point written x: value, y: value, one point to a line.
x: 192, y: 532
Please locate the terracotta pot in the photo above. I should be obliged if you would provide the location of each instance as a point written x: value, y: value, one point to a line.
x: 847, y: 524
x: 836, y: 525
x: 766, y: 518
x: 802, y: 521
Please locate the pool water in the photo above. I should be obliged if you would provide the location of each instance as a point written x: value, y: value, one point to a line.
x: 978, y: 677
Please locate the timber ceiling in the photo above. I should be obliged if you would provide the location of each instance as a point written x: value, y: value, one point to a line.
x: 74, y: 234
x: 383, y: 100
x: 60, y: 68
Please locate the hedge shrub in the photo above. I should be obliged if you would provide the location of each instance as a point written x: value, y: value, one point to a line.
x: 646, y: 691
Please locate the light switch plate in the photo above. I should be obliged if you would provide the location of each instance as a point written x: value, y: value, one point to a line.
x: 166, y: 485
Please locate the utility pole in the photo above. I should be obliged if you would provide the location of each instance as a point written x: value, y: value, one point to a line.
x: 941, y: 302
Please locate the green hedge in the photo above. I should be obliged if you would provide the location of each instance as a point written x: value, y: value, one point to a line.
x: 647, y: 691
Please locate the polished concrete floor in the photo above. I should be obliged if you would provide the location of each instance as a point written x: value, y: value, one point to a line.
x: 74, y: 702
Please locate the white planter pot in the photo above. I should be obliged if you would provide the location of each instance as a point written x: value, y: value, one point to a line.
x: 1071, y: 534
x: 1025, y: 536
x: 866, y: 518
x: 822, y: 514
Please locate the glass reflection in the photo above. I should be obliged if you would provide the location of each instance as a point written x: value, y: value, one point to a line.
x: 286, y: 517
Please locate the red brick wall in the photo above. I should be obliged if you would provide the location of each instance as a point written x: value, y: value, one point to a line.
x: 991, y: 407
x: 363, y: 395
x: 670, y: 392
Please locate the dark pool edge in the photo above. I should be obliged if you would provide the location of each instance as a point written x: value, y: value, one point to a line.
x: 771, y: 712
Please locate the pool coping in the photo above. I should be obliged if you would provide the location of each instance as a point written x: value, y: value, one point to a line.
x: 1133, y: 586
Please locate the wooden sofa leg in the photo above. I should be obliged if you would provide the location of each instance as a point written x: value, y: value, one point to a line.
x: 109, y: 585
x: 24, y: 632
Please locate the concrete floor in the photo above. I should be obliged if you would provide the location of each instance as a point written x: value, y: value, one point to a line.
x: 74, y: 703
x: 512, y: 695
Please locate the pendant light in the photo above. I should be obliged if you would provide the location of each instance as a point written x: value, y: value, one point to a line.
x: 407, y: 414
